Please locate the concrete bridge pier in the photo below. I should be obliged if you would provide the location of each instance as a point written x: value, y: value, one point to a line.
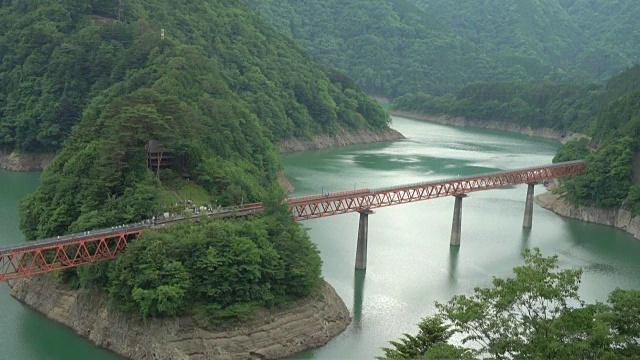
x: 456, y: 227
x: 363, y: 234
x: 528, y: 207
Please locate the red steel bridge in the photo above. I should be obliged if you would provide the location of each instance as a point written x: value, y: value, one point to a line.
x: 42, y: 256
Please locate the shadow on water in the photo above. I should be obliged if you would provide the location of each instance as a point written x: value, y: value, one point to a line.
x: 358, y: 297
x: 453, y: 264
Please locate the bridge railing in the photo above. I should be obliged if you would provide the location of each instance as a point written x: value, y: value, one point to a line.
x: 256, y: 207
x: 477, y: 176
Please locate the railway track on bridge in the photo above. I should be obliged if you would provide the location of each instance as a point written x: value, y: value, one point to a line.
x: 41, y: 256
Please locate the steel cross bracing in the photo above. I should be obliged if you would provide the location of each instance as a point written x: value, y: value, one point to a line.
x: 312, y: 207
x: 68, y: 251
x: 66, y: 254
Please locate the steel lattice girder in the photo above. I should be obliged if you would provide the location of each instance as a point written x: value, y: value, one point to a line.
x: 320, y: 207
x: 62, y: 256
x: 72, y: 252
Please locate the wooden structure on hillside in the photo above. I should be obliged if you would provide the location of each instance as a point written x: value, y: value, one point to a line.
x: 157, y: 157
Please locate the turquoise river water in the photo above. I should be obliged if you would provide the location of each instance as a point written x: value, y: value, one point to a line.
x: 410, y: 263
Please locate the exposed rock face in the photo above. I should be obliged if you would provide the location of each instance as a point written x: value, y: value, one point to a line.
x: 342, y: 138
x: 271, y: 334
x: 493, y: 125
x: 285, y: 183
x: 25, y: 161
x: 620, y: 218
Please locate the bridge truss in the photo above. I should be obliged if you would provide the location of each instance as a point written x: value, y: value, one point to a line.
x: 48, y: 255
x: 359, y: 200
x: 70, y: 253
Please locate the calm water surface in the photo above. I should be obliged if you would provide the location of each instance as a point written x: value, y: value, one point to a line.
x: 25, y: 334
x: 410, y: 263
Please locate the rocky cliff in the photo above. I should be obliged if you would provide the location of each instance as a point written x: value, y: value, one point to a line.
x: 25, y: 161
x: 493, y: 125
x: 342, y: 138
x: 270, y: 334
x: 620, y: 218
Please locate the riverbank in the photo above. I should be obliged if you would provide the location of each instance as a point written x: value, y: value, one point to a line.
x: 492, y: 125
x: 17, y: 161
x: 269, y: 334
x: 342, y: 138
x: 619, y: 218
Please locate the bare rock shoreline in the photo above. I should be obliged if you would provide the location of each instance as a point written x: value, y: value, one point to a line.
x: 17, y: 161
x: 342, y: 138
x: 492, y: 125
x: 620, y: 218
x: 270, y: 334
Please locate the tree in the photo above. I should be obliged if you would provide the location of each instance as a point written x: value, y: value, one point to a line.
x: 431, y: 338
x: 537, y: 314
x: 511, y: 317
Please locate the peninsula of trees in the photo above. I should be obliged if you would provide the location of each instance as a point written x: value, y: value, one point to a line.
x: 217, y: 87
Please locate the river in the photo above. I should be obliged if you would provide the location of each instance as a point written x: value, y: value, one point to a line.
x: 410, y: 263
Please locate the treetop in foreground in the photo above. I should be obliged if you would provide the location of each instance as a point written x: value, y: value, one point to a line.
x: 536, y: 314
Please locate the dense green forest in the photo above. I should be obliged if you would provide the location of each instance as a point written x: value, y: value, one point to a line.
x: 390, y: 47
x: 556, y: 106
x: 536, y: 314
x: 393, y: 47
x: 217, y: 92
x: 610, y: 114
x: 61, y: 58
x: 593, y: 39
x: 214, y: 270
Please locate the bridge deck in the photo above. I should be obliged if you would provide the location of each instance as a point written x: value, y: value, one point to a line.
x: 72, y: 250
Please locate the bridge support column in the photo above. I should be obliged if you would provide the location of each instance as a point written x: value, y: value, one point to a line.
x: 528, y: 207
x: 456, y: 227
x: 363, y: 234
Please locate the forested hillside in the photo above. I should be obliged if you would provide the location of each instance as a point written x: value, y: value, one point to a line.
x: 59, y: 57
x: 389, y: 47
x: 610, y: 114
x: 611, y: 173
x: 392, y: 47
x: 556, y: 106
x: 587, y: 39
x: 216, y: 93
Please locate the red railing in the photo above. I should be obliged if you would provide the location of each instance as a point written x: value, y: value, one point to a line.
x: 47, y: 255
x: 44, y: 258
x: 334, y: 204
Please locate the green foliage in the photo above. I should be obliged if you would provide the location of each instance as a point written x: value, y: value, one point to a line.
x: 608, y: 175
x: 560, y: 107
x: 537, y: 314
x: 394, y: 47
x: 576, y: 149
x: 589, y: 39
x: 216, y: 100
x: 389, y: 47
x: 431, y: 339
x: 225, y: 267
x: 217, y: 93
x: 62, y: 62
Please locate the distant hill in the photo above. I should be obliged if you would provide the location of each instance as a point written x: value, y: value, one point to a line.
x: 393, y: 47
x: 594, y: 39
x: 60, y: 58
x: 390, y: 47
